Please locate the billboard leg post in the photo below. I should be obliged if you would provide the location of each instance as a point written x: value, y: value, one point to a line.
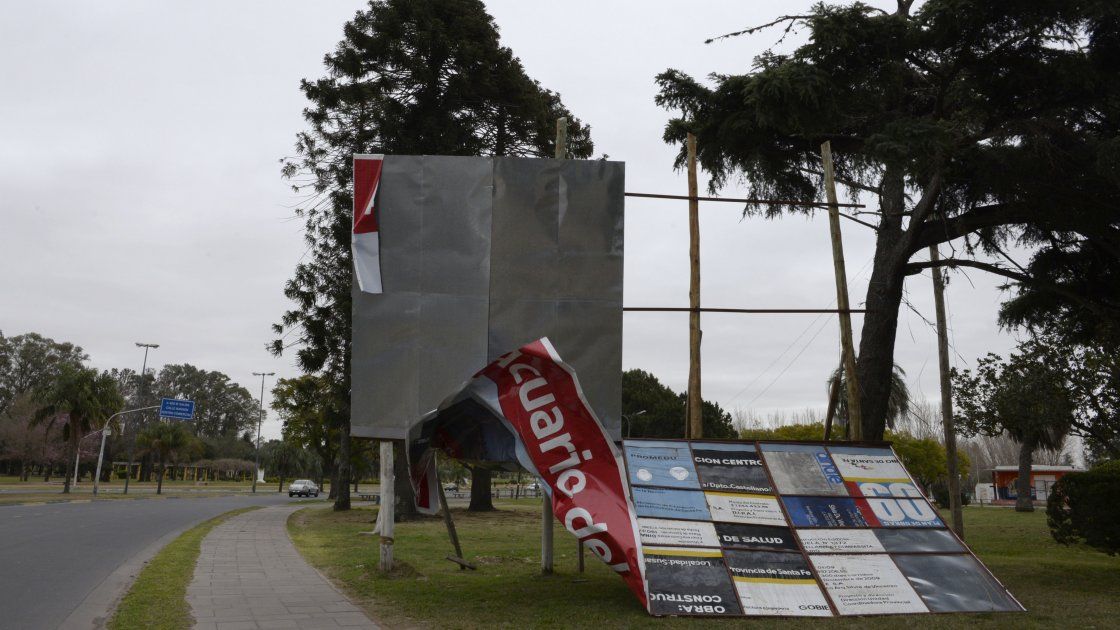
x: 385, y: 514
x: 450, y: 524
x: 546, y: 535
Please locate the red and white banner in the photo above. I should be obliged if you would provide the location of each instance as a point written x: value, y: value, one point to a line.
x: 542, y: 402
x: 365, y: 242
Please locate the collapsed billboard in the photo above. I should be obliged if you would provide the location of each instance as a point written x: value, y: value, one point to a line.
x: 707, y: 528
x: 459, y: 259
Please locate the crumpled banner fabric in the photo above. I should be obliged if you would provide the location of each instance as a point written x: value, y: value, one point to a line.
x: 528, y: 406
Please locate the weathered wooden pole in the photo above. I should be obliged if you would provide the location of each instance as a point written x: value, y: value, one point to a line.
x: 695, y: 401
x: 386, y: 512
x: 448, y: 522
x: 855, y: 417
x: 947, y: 396
x: 546, y: 504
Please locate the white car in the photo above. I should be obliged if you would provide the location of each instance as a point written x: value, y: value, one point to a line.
x: 304, y: 488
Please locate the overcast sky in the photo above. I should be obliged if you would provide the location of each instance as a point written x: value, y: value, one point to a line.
x: 141, y: 197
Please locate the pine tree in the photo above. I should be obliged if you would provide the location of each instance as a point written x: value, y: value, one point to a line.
x: 994, y: 122
x: 409, y: 77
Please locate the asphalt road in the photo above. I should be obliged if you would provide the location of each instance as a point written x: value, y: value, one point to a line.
x: 57, y: 558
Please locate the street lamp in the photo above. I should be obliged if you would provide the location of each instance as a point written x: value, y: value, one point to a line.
x: 629, y: 418
x: 143, y: 372
x: 260, y: 420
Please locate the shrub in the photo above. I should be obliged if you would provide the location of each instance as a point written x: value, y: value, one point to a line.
x: 1085, y: 508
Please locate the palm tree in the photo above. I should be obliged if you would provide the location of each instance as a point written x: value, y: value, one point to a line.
x: 80, y: 399
x: 897, y: 403
x: 166, y: 441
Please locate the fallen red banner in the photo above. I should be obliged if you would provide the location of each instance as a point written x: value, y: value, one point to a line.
x: 537, y: 397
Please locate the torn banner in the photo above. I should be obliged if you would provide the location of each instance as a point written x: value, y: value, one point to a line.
x: 365, y: 241
x: 528, y: 408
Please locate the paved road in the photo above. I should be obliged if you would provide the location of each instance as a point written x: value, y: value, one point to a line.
x: 59, y: 559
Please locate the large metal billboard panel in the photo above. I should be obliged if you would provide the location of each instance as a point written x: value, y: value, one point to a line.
x: 841, y: 530
x: 479, y: 256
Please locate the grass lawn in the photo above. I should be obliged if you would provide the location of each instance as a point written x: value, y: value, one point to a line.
x: 157, y: 598
x: 1061, y: 587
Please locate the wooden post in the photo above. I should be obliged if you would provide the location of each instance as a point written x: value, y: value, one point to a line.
x: 547, y: 517
x: 947, y: 396
x: 855, y: 417
x: 695, y: 402
x: 447, y: 522
x: 561, y: 138
x: 385, y: 514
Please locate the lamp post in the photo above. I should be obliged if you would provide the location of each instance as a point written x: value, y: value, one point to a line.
x: 260, y: 420
x: 629, y: 418
x: 132, y: 443
x: 105, y: 431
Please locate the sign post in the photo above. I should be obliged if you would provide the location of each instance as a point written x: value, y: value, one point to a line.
x: 105, y: 433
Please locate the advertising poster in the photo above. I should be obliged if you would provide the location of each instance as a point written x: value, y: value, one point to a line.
x: 671, y: 504
x: 737, y: 535
x: 803, y: 469
x: 730, y: 468
x: 919, y: 541
x: 866, y: 585
x: 840, y: 541
x: 756, y: 509
x: 774, y: 583
x: 872, y: 472
x: 689, y: 582
x: 655, y: 531
x: 955, y: 584
x: 899, y: 513
x: 825, y: 512
x: 667, y: 464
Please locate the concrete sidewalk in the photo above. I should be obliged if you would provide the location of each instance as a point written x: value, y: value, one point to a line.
x: 249, y: 575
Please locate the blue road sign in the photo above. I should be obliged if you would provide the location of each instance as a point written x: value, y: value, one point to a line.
x: 176, y: 409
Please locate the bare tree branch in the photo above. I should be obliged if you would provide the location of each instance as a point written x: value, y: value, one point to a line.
x: 792, y: 19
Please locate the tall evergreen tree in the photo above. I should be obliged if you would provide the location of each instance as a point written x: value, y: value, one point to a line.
x: 994, y: 122
x: 408, y: 77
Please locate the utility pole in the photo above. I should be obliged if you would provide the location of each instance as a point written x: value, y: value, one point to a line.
x: 260, y: 420
x: 947, y: 395
x: 695, y: 402
x: 132, y: 442
x: 855, y: 415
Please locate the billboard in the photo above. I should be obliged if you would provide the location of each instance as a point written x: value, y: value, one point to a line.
x: 801, y: 529
x: 465, y: 258
x: 705, y: 528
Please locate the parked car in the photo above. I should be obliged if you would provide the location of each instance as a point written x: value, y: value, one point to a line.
x: 450, y: 487
x: 303, y: 488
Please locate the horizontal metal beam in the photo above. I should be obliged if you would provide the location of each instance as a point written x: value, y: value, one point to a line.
x: 768, y: 202
x: 757, y: 311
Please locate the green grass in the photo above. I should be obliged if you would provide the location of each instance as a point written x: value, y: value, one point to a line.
x: 157, y: 598
x: 1061, y: 587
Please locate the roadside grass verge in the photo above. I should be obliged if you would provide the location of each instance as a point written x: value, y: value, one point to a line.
x: 158, y: 597
x: 1060, y: 586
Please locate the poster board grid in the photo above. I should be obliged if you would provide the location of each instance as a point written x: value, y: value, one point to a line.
x: 965, y: 550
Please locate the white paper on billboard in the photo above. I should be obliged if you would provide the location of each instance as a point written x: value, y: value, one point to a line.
x: 866, y: 585
x: 656, y: 531
x: 776, y: 583
x: 755, y: 509
x: 839, y: 541
x: 869, y: 464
